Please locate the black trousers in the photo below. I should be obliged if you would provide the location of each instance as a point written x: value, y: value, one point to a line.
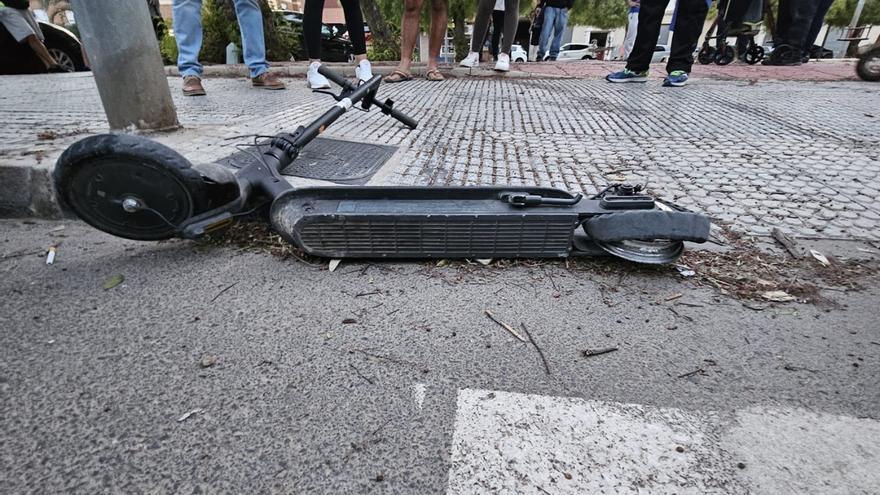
x: 688, y: 27
x: 354, y: 20
x: 794, y: 21
x: 497, y: 28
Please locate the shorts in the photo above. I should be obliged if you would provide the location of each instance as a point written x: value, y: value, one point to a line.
x: 20, y: 23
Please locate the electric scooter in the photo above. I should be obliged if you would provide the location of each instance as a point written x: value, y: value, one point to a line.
x: 136, y: 188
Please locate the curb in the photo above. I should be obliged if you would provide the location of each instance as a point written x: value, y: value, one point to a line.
x: 26, y: 189
x: 347, y: 70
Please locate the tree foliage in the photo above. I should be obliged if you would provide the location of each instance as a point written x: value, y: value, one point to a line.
x: 220, y: 27
x: 603, y: 14
x: 841, y: 12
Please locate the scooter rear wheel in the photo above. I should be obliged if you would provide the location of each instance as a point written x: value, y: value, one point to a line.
x: 129, y: 186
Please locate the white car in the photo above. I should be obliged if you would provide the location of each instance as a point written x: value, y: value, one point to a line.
x: 661, y: 53
x: 517, y: 54
x: 576, y: 51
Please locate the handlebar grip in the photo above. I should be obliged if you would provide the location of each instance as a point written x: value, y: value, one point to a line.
x: 334, y: 76
x: 404, y: 119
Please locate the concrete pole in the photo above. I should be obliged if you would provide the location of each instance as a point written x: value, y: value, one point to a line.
x: 121, y: 45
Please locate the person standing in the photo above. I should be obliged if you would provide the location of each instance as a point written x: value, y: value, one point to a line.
x: 555, y: 20
x: 689, y: 19
x: 354, y: 21
x: 16, y: 17
x: 795, y: 18
x: 411, y: 12
x: 631, y: 28
x: 497, y: 26
x: 188, y: 34
x: 481, y: 26
x: 537, y: 18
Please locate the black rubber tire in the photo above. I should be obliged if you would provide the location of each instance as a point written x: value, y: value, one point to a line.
x: 646, y: 225
x: 725, y: 55
x: 86, y: 152
x: 754, y: 54
x: 862, y: 67
x: 706, y: 55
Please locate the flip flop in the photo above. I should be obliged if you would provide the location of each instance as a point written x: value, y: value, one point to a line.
x: 398, y: 76
x: 434, y: 75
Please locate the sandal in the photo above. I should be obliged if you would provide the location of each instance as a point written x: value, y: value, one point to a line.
x: 398, y: 76
x: 434, y: 75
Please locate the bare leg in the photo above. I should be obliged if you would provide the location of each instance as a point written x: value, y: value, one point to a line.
x: 439, y: 11
x: 410, y: 33
x: 40, y: 49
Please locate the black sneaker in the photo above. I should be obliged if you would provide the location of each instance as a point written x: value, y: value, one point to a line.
x: 784, y: 55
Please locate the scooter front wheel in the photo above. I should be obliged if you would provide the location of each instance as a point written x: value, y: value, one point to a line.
x: 129, y: 186
x: 647, y: 236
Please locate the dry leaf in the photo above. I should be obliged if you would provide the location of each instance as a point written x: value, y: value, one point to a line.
x: 820, y: 257
x: 113, y: 282
x: 778, y: 296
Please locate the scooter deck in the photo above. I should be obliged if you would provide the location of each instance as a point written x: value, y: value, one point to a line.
x: 420, y: 222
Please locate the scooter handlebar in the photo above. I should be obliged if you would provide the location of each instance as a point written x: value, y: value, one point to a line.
x: 370, y: 90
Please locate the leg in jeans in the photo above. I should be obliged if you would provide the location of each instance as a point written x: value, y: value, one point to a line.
x: 549, y: 19
x: 481, y: 25
x: 650, y: 16
x: 188, y: 34
x: 409, y: 33
x: 558, y: 30
x: 439, y: 9
x: 250, y: 22
x: 511, y: 21
x: 497, y: 25
x: 688, y: 26
x: 312, y: 12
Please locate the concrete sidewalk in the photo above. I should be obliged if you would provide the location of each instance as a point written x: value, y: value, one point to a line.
x: 803, y: 156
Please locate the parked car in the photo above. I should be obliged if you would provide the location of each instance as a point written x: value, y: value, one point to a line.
x: 517, y: 54
x: 661, y: 53
x: 18, y: 58
x: 576, y: 51
x: 334, y: 48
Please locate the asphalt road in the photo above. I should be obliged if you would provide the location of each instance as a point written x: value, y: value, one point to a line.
x: 361, y: 380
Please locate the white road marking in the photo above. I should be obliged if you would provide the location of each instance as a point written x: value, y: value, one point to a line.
x: 418, y: 392
x: 510, y: 443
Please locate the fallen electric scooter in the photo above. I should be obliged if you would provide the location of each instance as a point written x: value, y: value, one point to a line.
x: 135, y: 188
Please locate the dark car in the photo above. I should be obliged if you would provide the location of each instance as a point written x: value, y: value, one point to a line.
x: 18, y: 58
x: 334, y: 48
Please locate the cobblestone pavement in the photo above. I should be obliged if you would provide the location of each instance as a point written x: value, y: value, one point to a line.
x: 803, y: 156
x: 815, y: 70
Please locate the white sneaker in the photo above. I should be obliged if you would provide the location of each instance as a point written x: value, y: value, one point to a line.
x: 503, y: 63
x: 471, y: 61
x: 316, y: 80
x: 364, y: 71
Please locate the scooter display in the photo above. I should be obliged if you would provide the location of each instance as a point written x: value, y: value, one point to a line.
x: 136, y: 188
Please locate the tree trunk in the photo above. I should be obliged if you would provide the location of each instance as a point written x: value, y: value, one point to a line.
x: 385, y: 43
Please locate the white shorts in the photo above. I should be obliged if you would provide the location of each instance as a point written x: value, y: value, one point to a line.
x: 20, y: 23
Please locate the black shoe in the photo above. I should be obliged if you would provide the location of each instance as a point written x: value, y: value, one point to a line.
x: 551, y: 59
x: 784, y: 55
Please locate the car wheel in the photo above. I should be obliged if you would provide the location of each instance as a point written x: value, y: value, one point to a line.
x: 63, y: 59
x: 520, y: 60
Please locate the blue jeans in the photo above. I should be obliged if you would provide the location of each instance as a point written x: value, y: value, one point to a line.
x: 555, y: 19
x: 188, y: 33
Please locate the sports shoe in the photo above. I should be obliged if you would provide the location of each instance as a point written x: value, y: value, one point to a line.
x: 316, y: 80
x: 676, y: 78
x: 783, y: 55
x: 363, y: 71
x: 627, y: 76
x: 471, y: 61
x: 503, y: 63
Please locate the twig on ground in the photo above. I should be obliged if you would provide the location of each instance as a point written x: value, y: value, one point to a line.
x: 692, y: 373
x: 224, y: 290
x: 504, y: 326
x: 598, y: 352
x: 362, y: 294
x: 366, y: 378
x: 540, y: 352
x: 788, y: 243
